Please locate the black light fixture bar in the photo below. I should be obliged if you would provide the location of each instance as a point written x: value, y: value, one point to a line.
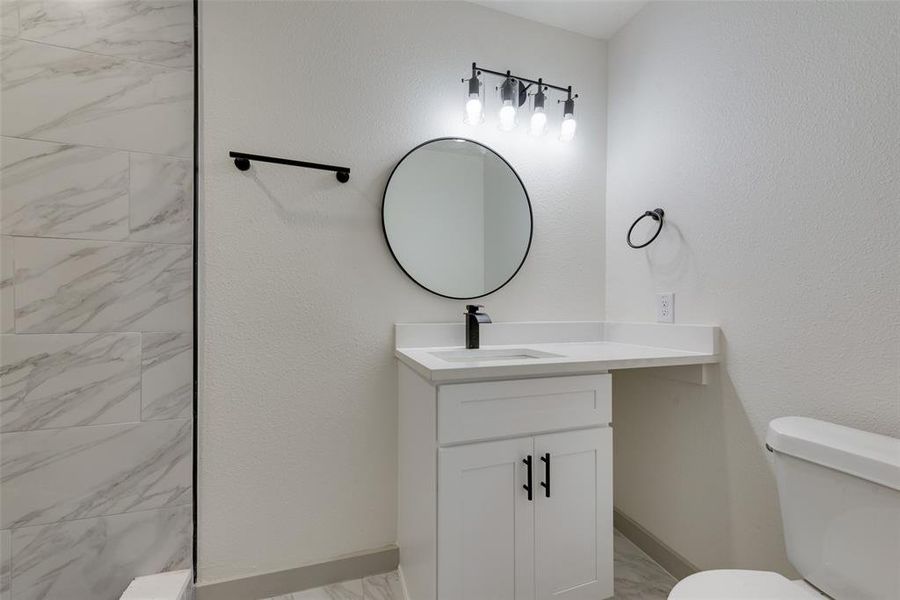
x: 242, y: 162
x: 567, y: 89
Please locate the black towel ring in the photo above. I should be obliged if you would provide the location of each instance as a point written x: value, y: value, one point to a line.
x: 657, y: 214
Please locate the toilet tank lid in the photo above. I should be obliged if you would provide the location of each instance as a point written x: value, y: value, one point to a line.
x: 866, y: 455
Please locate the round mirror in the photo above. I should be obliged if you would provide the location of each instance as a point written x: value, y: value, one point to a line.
x: 457, y: 218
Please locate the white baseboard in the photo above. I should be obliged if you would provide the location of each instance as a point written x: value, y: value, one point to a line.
x: 277, y: 583
x: 670, y: 560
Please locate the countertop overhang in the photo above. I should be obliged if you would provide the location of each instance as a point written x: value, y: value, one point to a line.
x: 584, y: 347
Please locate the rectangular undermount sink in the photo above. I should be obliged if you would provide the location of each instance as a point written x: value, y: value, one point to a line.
x: 483, y: 354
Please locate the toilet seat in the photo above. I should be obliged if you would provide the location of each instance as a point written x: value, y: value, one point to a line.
x: 735, y: 584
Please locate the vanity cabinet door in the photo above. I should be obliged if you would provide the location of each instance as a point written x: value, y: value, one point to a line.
x: 485, y: 522
x: 573, y: 526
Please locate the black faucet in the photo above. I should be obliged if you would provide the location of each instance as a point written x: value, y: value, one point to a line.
x: 473, y: 319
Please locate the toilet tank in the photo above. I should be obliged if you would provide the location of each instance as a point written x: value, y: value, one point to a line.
x: 839, y: 490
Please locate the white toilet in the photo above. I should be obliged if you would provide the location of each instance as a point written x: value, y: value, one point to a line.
x: 839, y: 490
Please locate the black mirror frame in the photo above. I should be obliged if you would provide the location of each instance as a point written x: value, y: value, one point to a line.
x: 527, y: 202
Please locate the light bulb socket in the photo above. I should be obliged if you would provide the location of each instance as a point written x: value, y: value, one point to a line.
x: 508, y: 90
x: 474, y: 86
x: 539, y: 98
x: 569, y: 107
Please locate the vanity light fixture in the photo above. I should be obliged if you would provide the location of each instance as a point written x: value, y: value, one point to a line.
x: 513, y: 93
x: 567, y: 129
x: 508, y: 104
x: 538, y: 116
x: 474, y: 103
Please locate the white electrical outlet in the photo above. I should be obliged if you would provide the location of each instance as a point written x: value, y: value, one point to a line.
x: 665, y: 308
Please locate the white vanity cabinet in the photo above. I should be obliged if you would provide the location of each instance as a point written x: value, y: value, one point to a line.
x: 505, y: 488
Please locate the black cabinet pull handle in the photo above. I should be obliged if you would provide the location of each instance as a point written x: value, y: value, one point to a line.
x: 546, y: 483
x: 527, y: 486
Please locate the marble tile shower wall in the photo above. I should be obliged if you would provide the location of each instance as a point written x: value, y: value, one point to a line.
x: 96, y: 118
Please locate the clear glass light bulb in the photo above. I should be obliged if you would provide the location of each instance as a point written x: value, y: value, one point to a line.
x: 474, y: 114
x: 567, y: 130
x: 538, y: 121
x: 507, y: 116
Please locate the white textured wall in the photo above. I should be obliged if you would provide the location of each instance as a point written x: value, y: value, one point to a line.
x: 298, y: 290
x: 769, y: 132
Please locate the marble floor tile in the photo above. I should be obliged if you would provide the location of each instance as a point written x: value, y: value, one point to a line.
x: 60, y: 190
x: 383, y: 587
x: 162, y: 199
x: 78, y: 472
x: 167, y: 376
x: 149, y: 30
x: 95, y: 559
x: 85, y: 286
x: 4, y: 565
x: 61, y: 380
x: 61, y: 95
x: 347, y: 590
x: 7, y: 302
x: 9, y: 17
x: 637, y: 576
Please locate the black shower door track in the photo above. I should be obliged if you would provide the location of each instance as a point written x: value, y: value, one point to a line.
x: 194, y: 287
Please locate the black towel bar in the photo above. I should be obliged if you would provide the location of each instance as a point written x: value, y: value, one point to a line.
x: 242, y: 162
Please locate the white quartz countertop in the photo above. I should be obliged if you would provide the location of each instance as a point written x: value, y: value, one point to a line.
x: 574, y: 357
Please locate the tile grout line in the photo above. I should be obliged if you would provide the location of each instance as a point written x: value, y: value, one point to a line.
x: 118, y: 514
x: 109, y: 148
x: 129, y: 59
x: 116, y: 424
x: 105, y: 332
x: 75, y: 239
x: 12, y: 276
